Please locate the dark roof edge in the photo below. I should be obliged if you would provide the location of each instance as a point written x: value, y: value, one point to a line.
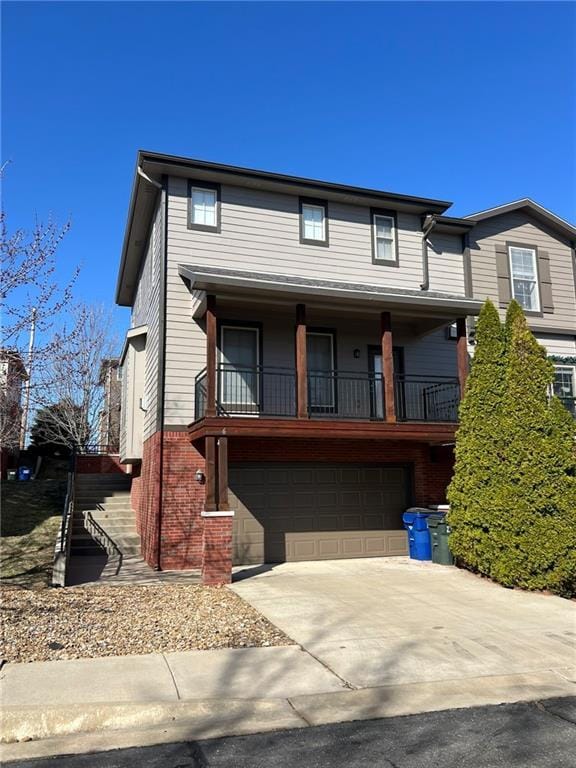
x: 204, y: 165
x: 560, y: 224
x: 127, y: 231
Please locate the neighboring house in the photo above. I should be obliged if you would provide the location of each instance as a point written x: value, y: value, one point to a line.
x: 109, y: 427
x: 523, y: 251
x: 294, y: 365
x: 12, y: 375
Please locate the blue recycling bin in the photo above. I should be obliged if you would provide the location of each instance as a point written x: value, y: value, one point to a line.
x: 24, y: 473
x: 414, y: 520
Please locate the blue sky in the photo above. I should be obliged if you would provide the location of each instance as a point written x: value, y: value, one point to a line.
x: 470, y: 102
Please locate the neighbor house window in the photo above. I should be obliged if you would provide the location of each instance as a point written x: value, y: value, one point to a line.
x: 384, y: 238
x: 204, y: 205
x: 564, y: 385
x: 313, y: 222
x: 524, y: 276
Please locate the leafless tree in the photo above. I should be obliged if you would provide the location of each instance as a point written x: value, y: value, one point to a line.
x: 71, y: 377
x: 29, y: 287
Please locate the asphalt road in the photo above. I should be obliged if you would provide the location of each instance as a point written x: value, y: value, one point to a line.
x: 536, y: 735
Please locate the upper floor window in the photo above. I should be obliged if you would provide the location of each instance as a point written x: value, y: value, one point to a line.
x: 313, y: 222
x: 384, y: 243
x: 204, y: 207
x: 524, y: 273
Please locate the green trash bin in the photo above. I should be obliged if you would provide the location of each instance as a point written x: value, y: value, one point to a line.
x: 439, y: 530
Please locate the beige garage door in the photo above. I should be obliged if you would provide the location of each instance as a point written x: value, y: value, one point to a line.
x: 289, y: 512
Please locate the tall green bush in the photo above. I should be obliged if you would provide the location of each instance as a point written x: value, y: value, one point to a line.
x: 513, y: 496
x: 534, y: 509
x: 476, y: 449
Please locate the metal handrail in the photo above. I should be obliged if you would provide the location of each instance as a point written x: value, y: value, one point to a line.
x: 64, y: 536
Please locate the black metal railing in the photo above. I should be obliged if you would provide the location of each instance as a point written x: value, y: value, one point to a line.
x: 426, y: 398
x: 64, y: 539
x: 200, y: 393
x: 268, y: 391
x: 247, y: 391
x: 345, y: 395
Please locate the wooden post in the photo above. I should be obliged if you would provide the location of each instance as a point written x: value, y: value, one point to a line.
x: 210, y: 449
x: 223, y: 474
x: 462, y: 353
x: 210, y: 356
x: 301, y: 363
x: 388, y: 367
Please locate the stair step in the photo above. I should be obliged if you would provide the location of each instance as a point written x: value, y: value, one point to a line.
x: 106, y: 493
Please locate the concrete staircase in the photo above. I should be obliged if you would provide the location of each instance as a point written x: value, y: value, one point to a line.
x: 103, y: 522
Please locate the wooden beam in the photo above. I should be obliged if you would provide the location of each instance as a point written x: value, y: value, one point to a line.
x: 424, y: 432
x: 388, y: 367
x: 223, y: 474
x: 211, y: 356
x: 462, y: 353
x: 210, y: 450
x: 301, y: 363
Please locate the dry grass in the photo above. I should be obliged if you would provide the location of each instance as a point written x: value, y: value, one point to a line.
x: 31, y: 514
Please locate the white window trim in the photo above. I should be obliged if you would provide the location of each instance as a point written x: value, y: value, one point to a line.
x: 253, y: 329
x: 375, y: 217
x: 195, y: 224
x: 572, y: 368
x: 317, y: 207
x: 533, y: 251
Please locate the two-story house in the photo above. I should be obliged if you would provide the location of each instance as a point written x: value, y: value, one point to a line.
x: 294, y: 365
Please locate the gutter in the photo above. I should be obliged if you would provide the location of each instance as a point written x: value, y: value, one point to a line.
x: 428, y: 225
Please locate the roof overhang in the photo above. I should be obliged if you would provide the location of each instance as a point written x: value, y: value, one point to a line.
x: 156, y: 166
x: 448, y: 225
x: 219, y: 280
x: 141, y: 330
x: 537, y: 211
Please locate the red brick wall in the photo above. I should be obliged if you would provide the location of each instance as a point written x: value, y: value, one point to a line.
x: 431, y: 473
x: 217, y: 550
x: 99, y: 464
x: 182, y: 503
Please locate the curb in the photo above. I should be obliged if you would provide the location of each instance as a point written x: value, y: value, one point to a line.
x: 34, y: 731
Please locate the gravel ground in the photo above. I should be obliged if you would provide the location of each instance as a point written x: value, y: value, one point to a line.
x: 83, y: 622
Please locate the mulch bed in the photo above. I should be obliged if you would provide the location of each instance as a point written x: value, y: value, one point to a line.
x: 87, y: 622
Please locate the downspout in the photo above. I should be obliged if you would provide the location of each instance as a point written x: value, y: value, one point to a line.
x: 163, y: 187
x: 428, y: 225
x: 162, y: 352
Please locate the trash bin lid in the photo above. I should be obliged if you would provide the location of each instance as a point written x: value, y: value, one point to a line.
x: 419, y: 511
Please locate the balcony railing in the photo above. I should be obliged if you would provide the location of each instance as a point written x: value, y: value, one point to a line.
x: 426, y: 398
x: 271, y: 392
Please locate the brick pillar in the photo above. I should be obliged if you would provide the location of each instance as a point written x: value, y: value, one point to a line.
x: 217, y: 547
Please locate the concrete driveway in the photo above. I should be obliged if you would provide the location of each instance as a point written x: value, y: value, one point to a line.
x: 384, y: 621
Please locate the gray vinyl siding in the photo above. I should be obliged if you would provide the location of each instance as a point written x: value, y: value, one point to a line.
x: 519, y: 227
x: 260, y: 231
x: 446, y: 264
x: 146, y: 311
x: 564, y: 346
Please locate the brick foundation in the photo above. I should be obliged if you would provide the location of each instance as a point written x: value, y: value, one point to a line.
x: 192, y: 541
x: 99, y: 465
x: 217, y: 550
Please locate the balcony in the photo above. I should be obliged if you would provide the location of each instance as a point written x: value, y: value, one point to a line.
x: 268, y: 392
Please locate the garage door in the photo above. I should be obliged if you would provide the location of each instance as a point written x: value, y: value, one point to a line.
x: 290, y: 512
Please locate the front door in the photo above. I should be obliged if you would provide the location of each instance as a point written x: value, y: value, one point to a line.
x: 375, y: 359
x: 239, y: 369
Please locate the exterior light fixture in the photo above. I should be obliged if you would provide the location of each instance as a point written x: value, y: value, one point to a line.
x: 199, y: 476
x: 356, y: 354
